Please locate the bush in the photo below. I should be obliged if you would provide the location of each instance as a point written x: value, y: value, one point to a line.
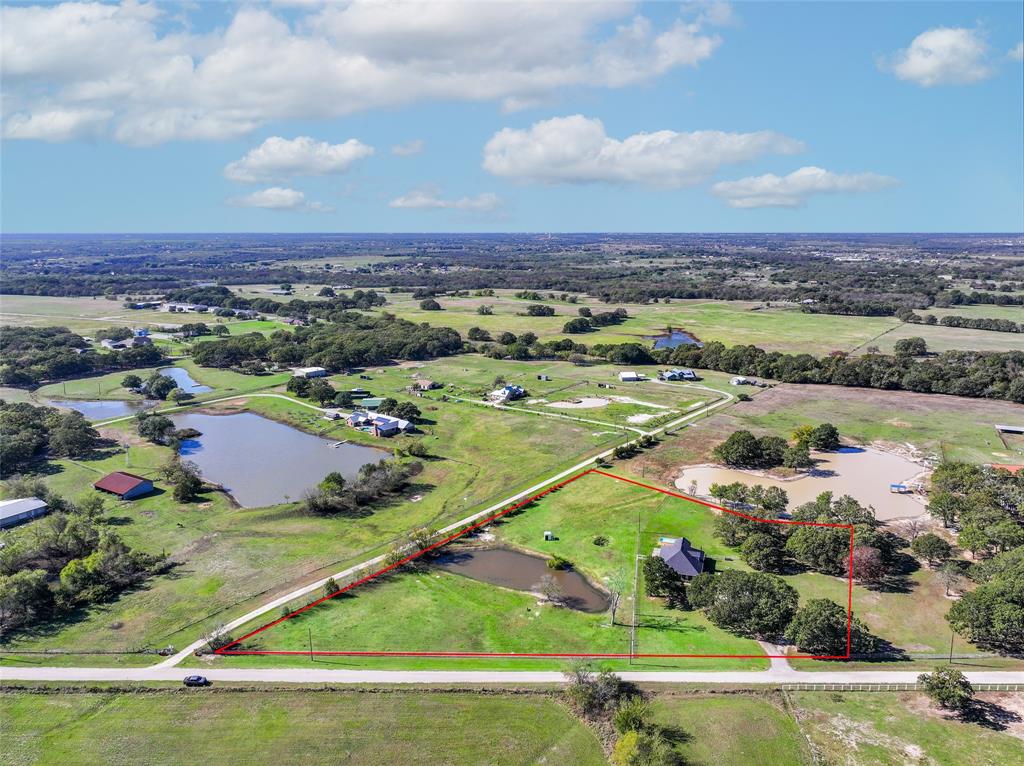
x: 632, y: 714
x: 558, y: 562
x: 430, y: 305
x: 948, y: 687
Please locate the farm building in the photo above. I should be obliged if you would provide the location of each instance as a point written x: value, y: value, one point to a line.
x: 127, y: 486
x: 1010, y: 429
x: 379, y: 425
x: 739, y: 380
x: 371, y: 402
x: 507, y: 394
x: 678, y: 374
x: 630, y: 377
x: 14, y: 512
x: 309, y: 372
x: 426, y: 385
x: 685, y: 560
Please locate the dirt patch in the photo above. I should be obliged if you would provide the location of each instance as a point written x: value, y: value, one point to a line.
x: 133, y: 439
x: 1001, y: 710
x: 583, y: 403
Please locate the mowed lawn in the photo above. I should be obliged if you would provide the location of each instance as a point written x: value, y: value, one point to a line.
x: 732, y: 730
x: 178, y: 728
x: 864, y: 729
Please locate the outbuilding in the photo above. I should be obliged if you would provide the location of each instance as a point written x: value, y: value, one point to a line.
x: 630, y: 377
x: 309, y: 372
x: 127, y: 486
x: 14, y: 512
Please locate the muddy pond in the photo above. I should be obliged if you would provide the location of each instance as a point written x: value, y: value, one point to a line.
x: 863, y: 473
x: 513, y: 569
x: 262, y: 462
x: 673, y: 339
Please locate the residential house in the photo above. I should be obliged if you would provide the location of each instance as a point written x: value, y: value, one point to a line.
x: 685, y: 560
x: 678, y: 374
x: 379, y: 425
x: 507, y: 394
x: 425, y: 385
x: 14, y: 512
x: 127, y: 486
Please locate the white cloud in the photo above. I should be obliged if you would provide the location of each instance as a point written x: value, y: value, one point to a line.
x: 429, y: 198
x: 793, y: 190
x: 280, y: 158
x: 943, y: 56
x: 576, y: 149
x: 1016, y: 53
x: 279, y: 198
x: 56, y: 124
x: 409, y: 148
x: 160, y: 81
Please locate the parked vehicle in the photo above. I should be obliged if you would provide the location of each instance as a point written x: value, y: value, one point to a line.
x: 196, y: 681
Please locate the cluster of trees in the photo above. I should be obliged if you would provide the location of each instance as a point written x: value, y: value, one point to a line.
x: 32, y: 355
x: 350, y: 340
x: 970, y: 323
x: 30, y: 431
x: 985, y: 504
x: 321, y: 391
x: 744, y: 449
x: 184, y: 476
x: 771, y: 501
x: 588, y: 320
x: 540, y: 310
x: 156, y: 386
x: 69, y: 560
x: 223, y: 298
x: 961, y: 373
x: 375, y: 482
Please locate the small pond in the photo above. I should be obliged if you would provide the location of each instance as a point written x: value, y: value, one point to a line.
x: 673, y: 339
x: 100, y: 409
x: 185, y: 381
x: 863, y: 473
x: 520, y: 571
x: 262, y: 462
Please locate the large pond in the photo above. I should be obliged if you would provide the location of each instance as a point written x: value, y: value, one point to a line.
x: 520, y: 571
x: 864, y: 474
x: 101, y: 410
x: 673, y: 339
x: 185, y: 381
x: 263, y: 462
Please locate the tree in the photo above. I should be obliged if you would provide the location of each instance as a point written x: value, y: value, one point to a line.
x: 869, y: 567
x: 331, y: 586
x: 484, y: 309
x: 949, y: 575
x: 507, y: 339
x: 946, y: 506
x: 72, y: 437
x: 908, y: 347
x: 763, y: 552
x: 298, y: 385
x: 948, y: 687
x: 992, y: 615
x: 430, y: 305
x: 187, y: 486
x: 797, y: 457
x: 819, y: 627
x: 25, y: 597
x: 576, y: 326
x: 478, y: 334
x: 824, y: 549
x: 549, y: 588
x: 406, y: 411
x: 178, y: 395
x: 617, y: 585
x: 220, y: 330
x: 974, y: 539
x: 632, y: 714
x: 155, y: 428
x: 643, y: 748
x: 332, y: 484
x: 802, y: 434
x: 131, y: 382
x: 931, y: 548
x: 343, y: 399
x: 774, y: 501
x: 326, y: 292
x: 824, y: 437
x: 751, y: 604
x: 528, y: 338
x: 321, y: 391
x: 740, y: 449
x: 159, y: 386
x: 660, y: 579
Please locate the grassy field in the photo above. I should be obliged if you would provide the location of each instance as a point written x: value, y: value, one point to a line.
x: 181, y: 728
x: 81, y: 315
x: 941, y: 338
x: 903, y: 728
x: 738, y: 729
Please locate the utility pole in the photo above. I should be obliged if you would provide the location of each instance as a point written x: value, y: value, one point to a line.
x: 309, y: 632
x: 952, y: 635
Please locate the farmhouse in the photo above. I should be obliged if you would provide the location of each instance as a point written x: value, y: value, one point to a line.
x: 426, y: 385
x: 685, y: 560
x: 678, y: 374
x: 377, y: 424
x: 507, y: 394
x: 309, y: 372
x: 14, y: 512
x: 127, y: 486
x: 140, y: 338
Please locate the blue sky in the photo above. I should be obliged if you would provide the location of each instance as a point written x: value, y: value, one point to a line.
x: 284, y: 116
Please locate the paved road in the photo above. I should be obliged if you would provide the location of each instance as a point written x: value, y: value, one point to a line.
x: 777, y: 675
x: 377, y: 561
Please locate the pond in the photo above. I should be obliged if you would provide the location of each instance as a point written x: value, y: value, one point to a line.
x: 99, y: 409
x: 863, y: 473
x: 262, y: 462
x: 520, y: 571
x: 185, y: 381
x: 673, y: 339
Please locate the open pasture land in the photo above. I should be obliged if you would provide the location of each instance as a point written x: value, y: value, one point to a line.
x: 82, y: 315
x: 779, y: 328
x: 894, y: 729
x: 159, y: 727
x: 941, y: 338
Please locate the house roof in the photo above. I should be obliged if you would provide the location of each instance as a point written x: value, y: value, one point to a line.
x: 683, y: 557
x: 12, y: 508
x: 120, y: 482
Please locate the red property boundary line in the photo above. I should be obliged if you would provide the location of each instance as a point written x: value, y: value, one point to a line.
x: 227, y: 651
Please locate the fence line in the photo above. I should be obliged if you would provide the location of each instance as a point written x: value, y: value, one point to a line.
x: 886, y: 687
